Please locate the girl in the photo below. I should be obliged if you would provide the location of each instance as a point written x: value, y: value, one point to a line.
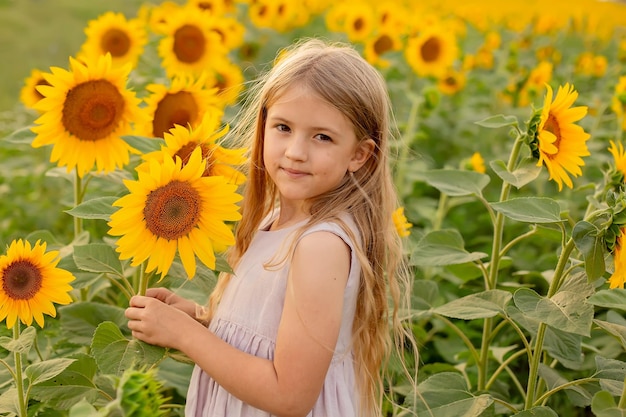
x: 302, y: 326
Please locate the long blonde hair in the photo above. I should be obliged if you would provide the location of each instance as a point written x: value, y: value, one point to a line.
x: 339, y: 75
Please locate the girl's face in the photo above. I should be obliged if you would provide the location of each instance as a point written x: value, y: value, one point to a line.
x: 309, y: 146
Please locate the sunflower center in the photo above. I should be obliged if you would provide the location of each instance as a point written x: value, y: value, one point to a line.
x: 93, y: 110
x: 185, y: 152
x: 358, y: 24
x: 172, y: 211
x: 116, y: 42
x: 189, y: 44
x: 552, y: 126
x: 431, y: 50
x: 22, y: 280
x: 382, y: 44
x: 177, y: 108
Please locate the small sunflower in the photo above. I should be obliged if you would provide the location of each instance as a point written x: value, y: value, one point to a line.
x: 562, y: 144
x: 477, y: 163
x: 85, y: 111
x: 189, y: 46
x: 182, y: 141
x: 229, y: 80
x: 359, y: 21
x: 432, y: 51
x: 279, y: 15
x: 379, y: 45
x: 184, y: 102
x: 30, y: 283
x: 618, y: 101
x: 451, y: 82
x: 403, y: 227
x: 29, y: 96
x: 113, y: 33
x: 618, y: 278
x: 174, y: 208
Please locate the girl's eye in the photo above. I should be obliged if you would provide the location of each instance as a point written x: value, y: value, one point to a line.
x: 282, y: 128
x: 323, y: 137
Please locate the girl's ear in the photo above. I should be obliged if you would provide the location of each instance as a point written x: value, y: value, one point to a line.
x: 361, y: 154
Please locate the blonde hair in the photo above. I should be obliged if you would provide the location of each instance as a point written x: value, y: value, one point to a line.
x: 339, y: 75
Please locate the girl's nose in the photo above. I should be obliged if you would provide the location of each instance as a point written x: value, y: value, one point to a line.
x: 296, y: 148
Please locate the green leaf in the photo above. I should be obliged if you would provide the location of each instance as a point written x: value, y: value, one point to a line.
x: 565, y: 347
x: 23, y: 343
x: 526, y: 172
x: 566, y: 310
x: 497, y: 121
x: 98, y: 257
x: 541, y: 411
x: 82, y: 408
x: 9, y: 402
x: 456, y: 183
x: 613, y: 298
x: 21, y: 135
x: 71, y: 386
x: 114, y: 353
x: 442, y: 247
x: 577, y: 395
x: 603, y: 405
x: 144, y: 144
x: 590, y: 242
x: 97, y: 208
x: 614, y: 329
x: 476, y: 306
x: 446, y: 395
x: 611, y: 373
x: 81, y: 319
x: 43, y: 371
x: 530, y: 209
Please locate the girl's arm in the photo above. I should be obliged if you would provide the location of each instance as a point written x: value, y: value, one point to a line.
x: 291, y: 383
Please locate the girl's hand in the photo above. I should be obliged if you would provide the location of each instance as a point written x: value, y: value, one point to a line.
x: 172, y: 299
x: 155, y: 322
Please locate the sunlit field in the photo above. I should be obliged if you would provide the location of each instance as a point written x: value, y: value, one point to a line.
x: 507, y: 154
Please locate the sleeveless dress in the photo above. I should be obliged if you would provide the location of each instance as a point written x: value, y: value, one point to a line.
x: 248, y: 317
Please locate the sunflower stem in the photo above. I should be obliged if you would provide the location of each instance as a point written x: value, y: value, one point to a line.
x: 143, y: 280
x: 19, y: 379
x: 78, y: 198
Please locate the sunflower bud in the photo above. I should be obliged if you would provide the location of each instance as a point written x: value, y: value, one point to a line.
x: 138, y: 394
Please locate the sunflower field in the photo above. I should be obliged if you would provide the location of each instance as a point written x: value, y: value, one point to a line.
x: 508, y: 156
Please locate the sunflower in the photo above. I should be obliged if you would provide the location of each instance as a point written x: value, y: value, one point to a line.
x: 29, y: 96
x: 229, y: 81
x: 174, y: 208
x: 184, y: 102
x: 618, y: 102
x: 432, y: 51
x: 562, y: 144
x: 30, y: 282
x: 618, y: 278
x: 182, y: 141
x: 279, y: 15
x: 112, y: 33
x: 451, y: 82
x: 230, y: 30
x: 85, y: 112
x: 403, y: 227
x: 359, y: 21
x: 189, y: 46
x: 382, y: 43
x: 477, y: 163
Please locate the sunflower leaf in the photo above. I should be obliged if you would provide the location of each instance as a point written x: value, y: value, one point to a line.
x: 22, y: 344
x: 97, y: 208
x: 497, y: 121
x: 114, y: 353
x: 456, y: 183
x: 144, y: 144
x: 43, y: 371
x: 22, y: 135
x: 530, y: 209
x: 526, y: 172
x: 443, y: 247
x: 98, y: 257
x: 590, y: 242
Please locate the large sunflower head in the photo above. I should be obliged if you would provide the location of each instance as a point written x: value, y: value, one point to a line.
x: 185, y: 102
x: 174, y: 208
x: 30, y: 283
x: 113, y: 33
x: 562, y: 143
x: 432, y: 51
x: 29, y: 95
x: 182, y: 141
x: 189, y: 46
x: 85, y: 112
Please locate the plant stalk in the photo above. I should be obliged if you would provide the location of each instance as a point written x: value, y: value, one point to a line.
x: 19, y: 381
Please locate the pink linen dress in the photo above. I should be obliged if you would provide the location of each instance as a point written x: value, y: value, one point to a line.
x: 248, y: 317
